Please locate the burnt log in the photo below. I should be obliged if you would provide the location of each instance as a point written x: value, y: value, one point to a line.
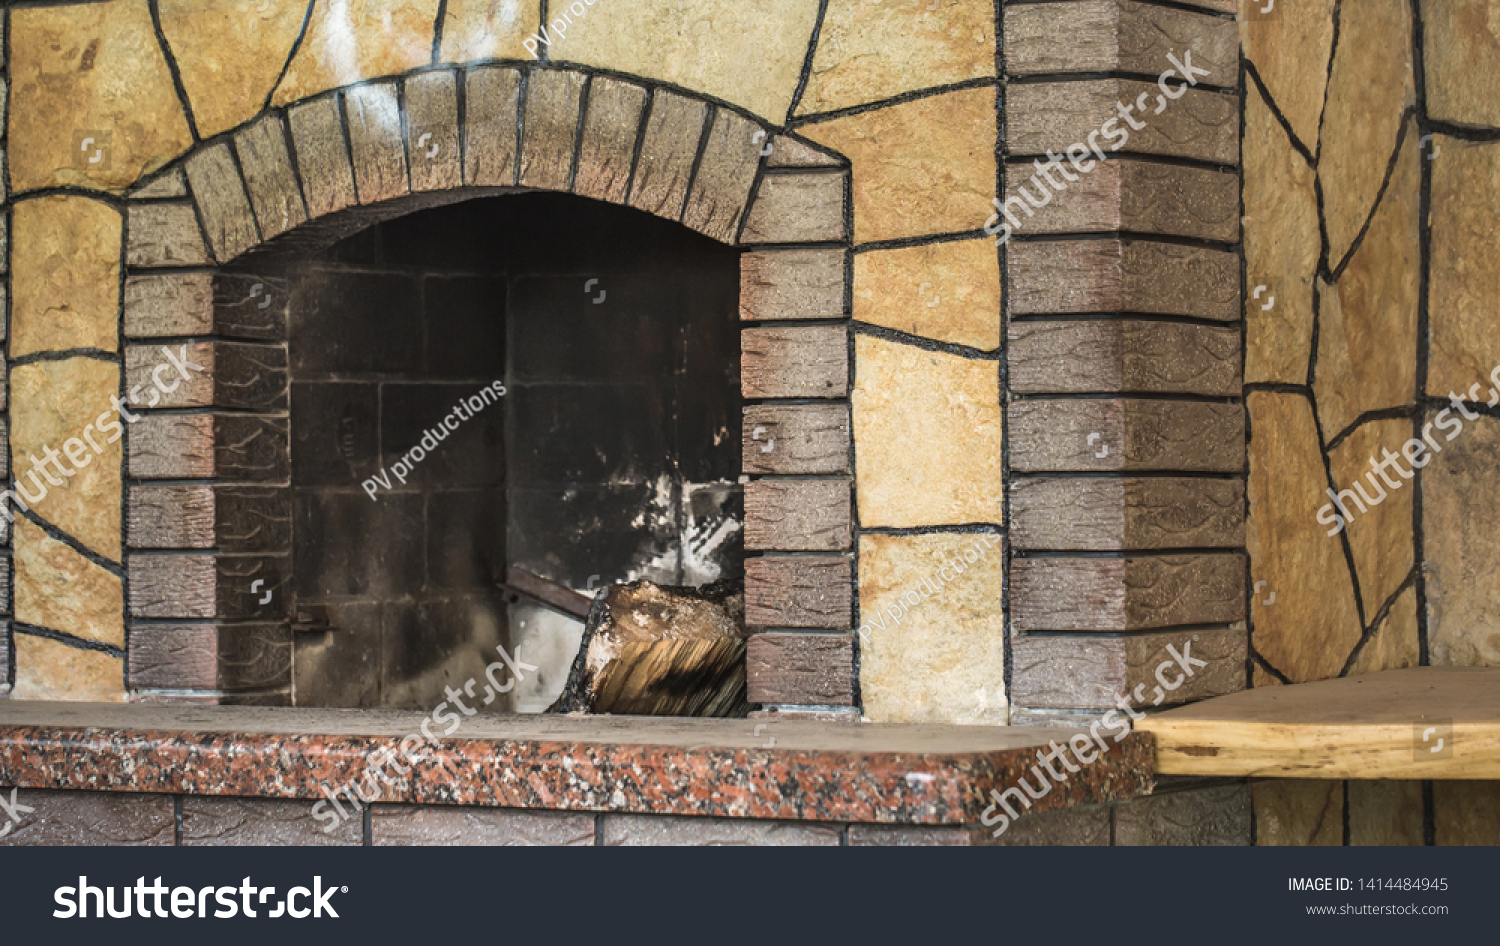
x: 660, y: 650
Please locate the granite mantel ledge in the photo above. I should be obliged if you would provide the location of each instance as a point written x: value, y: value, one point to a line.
x: 795, y: 770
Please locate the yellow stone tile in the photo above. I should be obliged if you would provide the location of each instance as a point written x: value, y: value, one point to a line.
x: 92, y: 100
x: 349, y: 41
x: 1466, y: 813
x: 1299, y: 813
x: 59, y: 589
x: 489, y: 29
x: 1462, y: 60
x: 49, y: 670
x: 54, y: 414
x: 1367, y: 324
x: 1311, y: 627
x: 870, y: 50
x: 1368, y: 93
x: 920, y: 168
x: 927, y: 428
x: 1381, y: 537
x: 230, y: 54
x: 66, y: 275
x: 1464, y: 291
x: 1281, y: 250
x: 1384, y: 812
x: 747, y: 54
x: 949, y: 292
x: 932, y: 646
x: 1290, y: 47
x: 1395, y: 643
x: 1460, y: 506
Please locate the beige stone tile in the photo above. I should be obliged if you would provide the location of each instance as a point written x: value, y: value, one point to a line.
x: 940, y: 658
x: 1395, y: 643
x: 229, y: 54
x: 1281, y: 249
x: 1367, y: 321
x: 66, y: 275
x: 870, y: 50
x: 1462, y: 60
x: 55, y: 402
x: 659, y: 830
x: 1380, y: 538
x: 1466, y: 813
x: 750, y: 55
x: 1464, y: 288
x: 90, y: 70
x: 1312, y: 625
x: 949, y: 292
x: 1385, y: 812
x: 1299, y: 813
x: 928, y: 428
x: 1290, y: 47
x: 59, y: 589
x: 489, y: 29
x: 1368, y: 93
x: 1460, y: 505
x: 920, y: 168
x: 48, y: 670
x: 1261, y: 678
x: 348, y: 41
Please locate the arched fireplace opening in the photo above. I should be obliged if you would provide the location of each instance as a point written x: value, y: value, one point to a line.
x: 535, y: 381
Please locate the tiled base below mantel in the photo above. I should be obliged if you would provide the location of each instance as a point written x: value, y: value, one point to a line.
x: 802, y: 771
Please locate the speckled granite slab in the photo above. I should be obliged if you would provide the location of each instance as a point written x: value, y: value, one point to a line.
x: 800, y: 770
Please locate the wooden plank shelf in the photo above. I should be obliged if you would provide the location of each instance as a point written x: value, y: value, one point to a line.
x: 1376, y: 726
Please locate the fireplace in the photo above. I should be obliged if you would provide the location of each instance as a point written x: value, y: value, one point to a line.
x: 539, y: 381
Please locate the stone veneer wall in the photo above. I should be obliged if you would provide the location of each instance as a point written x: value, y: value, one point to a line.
x: 1371, y: 201
x: 854, y: 147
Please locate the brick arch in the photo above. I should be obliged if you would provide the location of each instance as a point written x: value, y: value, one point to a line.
x: 207, y: 493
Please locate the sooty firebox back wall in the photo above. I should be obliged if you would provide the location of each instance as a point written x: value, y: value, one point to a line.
x: 613, y: 455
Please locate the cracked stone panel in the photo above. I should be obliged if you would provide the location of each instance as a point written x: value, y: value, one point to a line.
x: 1464, y: 285
x: 1299, y: 813
x: 1395, y: 642
x: 55, y: 419
x: 1370, y: 89
x: 920, y: 168
x: 1462, y: 60
x: 348, y: 41
x: 92, y: 99
x: 65, y: 275
x: 949, y: 292
x: 1282, y: 244
x: 928, y: 426
x: 49, y: 670
x: 750, y: 55
x: 1382, y: 537
x: 932, y: 645
x: 1367, y: 321
x: 1385, y: 812
x: 1310, y: 627
x: 870, y: 50
x: 1460, y: 504
x: 1290, y: 46
x: 229, y: 54
x: 61, y: 590
x: 489, y: 29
